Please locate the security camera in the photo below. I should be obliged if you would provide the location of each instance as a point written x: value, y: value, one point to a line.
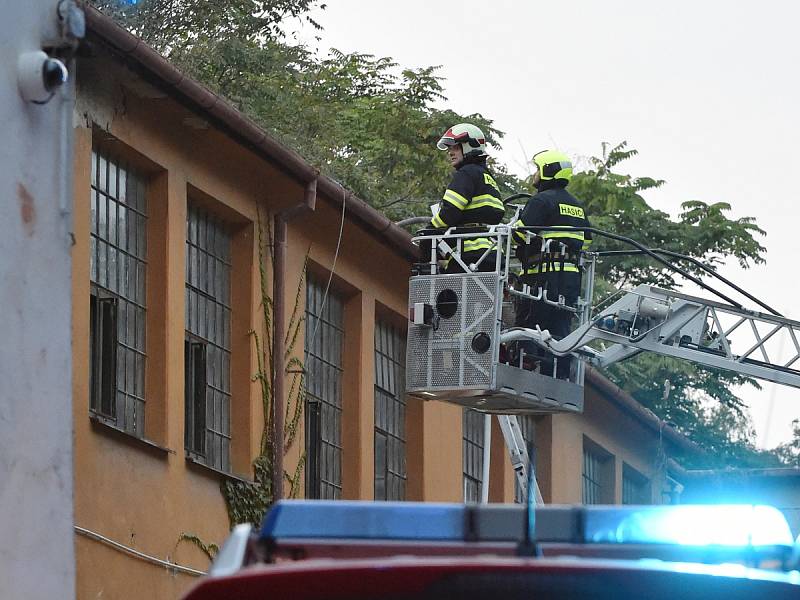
x: 39, y: 76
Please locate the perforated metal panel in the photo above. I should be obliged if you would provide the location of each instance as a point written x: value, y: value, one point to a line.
x: 442, y: 357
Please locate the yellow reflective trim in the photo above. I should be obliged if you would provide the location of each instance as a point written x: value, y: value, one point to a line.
x: 489, y: 180
x: 486, y: 200
x: 437, y: 221
x: 455, y: 198
x: 520, y: 235
x: 571, y: 211
x: 551, y: 268
x: 477, y: 244
x: 575, y: 235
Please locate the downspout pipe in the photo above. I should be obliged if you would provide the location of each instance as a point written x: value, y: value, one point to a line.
x: 281, y: 221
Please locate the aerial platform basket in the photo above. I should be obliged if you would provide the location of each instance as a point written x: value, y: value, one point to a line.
x: 455, y: 349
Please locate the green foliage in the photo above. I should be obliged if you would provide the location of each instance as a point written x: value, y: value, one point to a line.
x: 248, y: 501
x: 789, y: 453
x: 210, y: 550
x: 373, y: 125
x: 176, y: 27
x: 701, y: 231
x: 361, y: 119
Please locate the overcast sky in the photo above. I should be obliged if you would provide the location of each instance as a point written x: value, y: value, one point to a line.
x: 708, y: 92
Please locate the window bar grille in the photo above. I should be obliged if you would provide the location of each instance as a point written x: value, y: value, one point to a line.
x: 118, y: 261
x: 472, y: 450
x: 323, y: 362
x: 208, y: 345
x: 591, y: 477
x: 390, y: 413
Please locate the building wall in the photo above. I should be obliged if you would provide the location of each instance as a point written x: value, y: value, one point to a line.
x: 37, y: 558
x: 144, y: 493
x: 606, y: 428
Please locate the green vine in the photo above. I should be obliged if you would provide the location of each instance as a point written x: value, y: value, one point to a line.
x: 248, y: 501
x: 210, y: 550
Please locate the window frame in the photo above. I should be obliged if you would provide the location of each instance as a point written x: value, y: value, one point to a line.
x: 118, y: 268
x: 390, y: 413
x: 323, y: 398
x: 597, y: 486
x: 208, y: 436
x: 472, y: 447
x: 636, y: 487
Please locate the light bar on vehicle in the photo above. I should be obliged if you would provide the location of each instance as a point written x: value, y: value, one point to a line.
x: 687, y: 525
x: 398, y: 521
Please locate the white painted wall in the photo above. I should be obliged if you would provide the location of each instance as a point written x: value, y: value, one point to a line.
x: 36, y: 537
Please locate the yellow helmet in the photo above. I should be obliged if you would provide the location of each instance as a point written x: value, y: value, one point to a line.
x: 553, y: 164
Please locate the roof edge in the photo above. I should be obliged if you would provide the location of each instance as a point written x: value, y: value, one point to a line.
x: 643, y: 414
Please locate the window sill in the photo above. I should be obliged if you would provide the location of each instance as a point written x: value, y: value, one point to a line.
x: 103, y: 425
x: 195, y: 462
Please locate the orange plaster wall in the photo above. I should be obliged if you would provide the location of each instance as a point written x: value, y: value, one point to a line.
x: 147, y: 495
x: 628, y: 440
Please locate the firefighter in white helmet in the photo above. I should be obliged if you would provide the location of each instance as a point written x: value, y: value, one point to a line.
x: 473, y: 197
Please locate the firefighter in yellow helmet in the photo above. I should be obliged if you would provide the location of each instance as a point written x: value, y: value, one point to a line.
x: 550, y: 260
x: 473, y: 197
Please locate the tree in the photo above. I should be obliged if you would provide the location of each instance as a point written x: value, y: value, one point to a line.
x: 789, y: 452
x: 373, y: 125
x: 703, y: 231
x: 361, y: 119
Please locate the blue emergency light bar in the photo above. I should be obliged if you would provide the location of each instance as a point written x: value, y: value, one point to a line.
x: 751, y: 526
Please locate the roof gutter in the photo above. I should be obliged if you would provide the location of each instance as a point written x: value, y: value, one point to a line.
x: 624, y: 400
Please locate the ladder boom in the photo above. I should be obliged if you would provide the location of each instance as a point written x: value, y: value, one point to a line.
x: 683, y: 326
x: 518, y: 452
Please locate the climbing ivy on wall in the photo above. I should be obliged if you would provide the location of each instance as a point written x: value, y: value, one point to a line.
x: 248, y: 501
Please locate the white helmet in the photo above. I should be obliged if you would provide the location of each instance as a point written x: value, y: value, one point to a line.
x: 471, y: 138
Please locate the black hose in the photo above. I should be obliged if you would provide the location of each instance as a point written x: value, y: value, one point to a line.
x: 698, y: 264
x: 643, y: 249
x: 517, y: 197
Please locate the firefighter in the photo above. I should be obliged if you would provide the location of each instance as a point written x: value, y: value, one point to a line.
x: 550, y: 262
x: 472, y: 199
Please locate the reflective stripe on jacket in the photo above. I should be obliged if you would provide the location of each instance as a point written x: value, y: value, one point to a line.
x: 556, y: 208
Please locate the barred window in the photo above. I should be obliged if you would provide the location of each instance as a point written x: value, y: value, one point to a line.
x: 323, y: 356
x: 390, y: 413
x: 598, y: 474
x: 527, y: 425
x: 208, y: 340
x: 472, y: 451
x: 635, y: 487
x: 118, y: 264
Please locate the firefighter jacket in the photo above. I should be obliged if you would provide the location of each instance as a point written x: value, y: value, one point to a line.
x: 558, y: 208
x: 472, y: 198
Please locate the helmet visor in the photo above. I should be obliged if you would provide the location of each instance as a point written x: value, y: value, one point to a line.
x: 446, y: 142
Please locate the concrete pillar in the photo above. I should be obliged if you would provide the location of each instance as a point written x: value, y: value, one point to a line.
x: 36, y: 528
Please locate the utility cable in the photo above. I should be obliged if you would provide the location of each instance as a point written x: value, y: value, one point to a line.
x: 141, y: 555
x: 643, y: 249
x: 698, y: 264
x: 333, y: 270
